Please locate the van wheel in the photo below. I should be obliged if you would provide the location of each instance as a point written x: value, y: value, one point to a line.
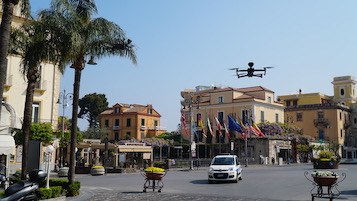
x: 240, y: 178
x: 210, y: 181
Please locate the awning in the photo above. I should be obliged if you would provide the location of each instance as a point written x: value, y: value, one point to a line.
x: 7, y: 144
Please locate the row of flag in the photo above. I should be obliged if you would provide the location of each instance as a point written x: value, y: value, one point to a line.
x: 244, y: 130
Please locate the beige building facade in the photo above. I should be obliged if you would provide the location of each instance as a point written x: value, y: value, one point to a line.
x: 246, y: 105
x: 131, y: 121
x: 45, y: 109
x: 328, y: 118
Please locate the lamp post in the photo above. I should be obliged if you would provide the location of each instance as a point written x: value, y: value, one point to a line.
x: 63, y: 96
x: 48, y: 152
x: 189, y: 101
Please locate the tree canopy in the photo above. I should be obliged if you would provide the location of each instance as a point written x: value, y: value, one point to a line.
x: 91, y: 105
x: 41, y: 131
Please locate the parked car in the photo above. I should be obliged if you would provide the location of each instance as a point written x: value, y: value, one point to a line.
x: 225, y: 168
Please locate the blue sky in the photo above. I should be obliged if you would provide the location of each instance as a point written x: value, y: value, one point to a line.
x: 182, y: 44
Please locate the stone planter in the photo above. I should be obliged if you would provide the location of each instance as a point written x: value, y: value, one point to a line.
x: 318, y: 164
x: 63, y: 172
x: 97, y: 171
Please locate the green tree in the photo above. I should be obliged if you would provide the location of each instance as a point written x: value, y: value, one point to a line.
x: 95, y: 133
x: 38, y: 131
x: 90, y: 37
x: 36, y: 42
x: 5, y: 30
x: 91, y: 106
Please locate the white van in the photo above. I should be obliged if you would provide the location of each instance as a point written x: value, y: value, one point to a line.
x: 225, y: 168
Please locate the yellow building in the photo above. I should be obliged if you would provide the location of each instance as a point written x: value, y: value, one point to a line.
x: 243, y: 104
x: 131, y: 121
x: 320, y: 116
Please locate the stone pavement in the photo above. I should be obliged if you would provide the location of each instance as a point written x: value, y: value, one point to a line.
x: 103, y: 195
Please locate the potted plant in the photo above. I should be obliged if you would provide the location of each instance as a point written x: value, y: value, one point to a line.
x: 326, y: 160
x: 97, y: 170
x: 63, y: 172
x: 324, y: 178
x: 154, y: 173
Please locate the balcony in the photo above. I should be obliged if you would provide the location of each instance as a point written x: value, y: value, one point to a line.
x: 41, y: 86
x: 8, y: 82
x: 142, y: 128
x: 321, y: 122
x: 116, y: 127
x: 157, y: 128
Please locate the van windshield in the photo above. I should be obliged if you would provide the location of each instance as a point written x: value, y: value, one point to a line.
x: 223, y: 161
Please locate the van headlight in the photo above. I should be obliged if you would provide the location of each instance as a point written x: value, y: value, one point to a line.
x: 210, y: 169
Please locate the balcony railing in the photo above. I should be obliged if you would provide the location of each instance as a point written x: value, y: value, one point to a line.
x: 321, y: 121
x: 116, y: 127
x: 158, y: 128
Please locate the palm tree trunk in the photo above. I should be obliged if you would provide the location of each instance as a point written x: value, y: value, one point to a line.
x: 5, y: 28
x: 72, y: 162
x: 26, y: 125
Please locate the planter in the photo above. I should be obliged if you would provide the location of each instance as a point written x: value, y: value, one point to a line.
x: 155, y: 175
x: 63, y: 172
x: 97, y: 171
x: 325, y: 180
x: 318, y: 164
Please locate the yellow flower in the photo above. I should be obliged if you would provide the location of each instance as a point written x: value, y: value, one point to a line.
x: 98, y: 166
x: 154, y: 169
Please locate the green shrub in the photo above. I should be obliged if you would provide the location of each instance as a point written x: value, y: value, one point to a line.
x: 56, y: 191
x: 73, y: 190
x: 326, y: 154
x: 44, y: 193
x: 160, y: 164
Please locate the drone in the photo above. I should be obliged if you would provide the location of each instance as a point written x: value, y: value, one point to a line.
x: 249, y: 72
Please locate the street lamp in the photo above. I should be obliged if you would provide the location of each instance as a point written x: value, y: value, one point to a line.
x: 48, y: 153
x: 189, y: 101
x: 63, y: 96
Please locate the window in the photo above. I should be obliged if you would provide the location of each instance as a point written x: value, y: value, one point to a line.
x: 321, y: 135
x: 221, y: 118
x: 142, y: 122
x: 299, y: 116
x: 116, y: 122
x: 287, y: 103
x: 245, y: 116
x: 295, y: 102
x: 116, y: 136
x: 276, y: 118
x: 320, y: 114
x: 340, y: 115
x: 262, y: 116
x: 198, y: 119
x: 269, y: 99
x: 220, y: 99
x: 36, y: 112
x: 106, y: 123
x: 128, y: 122
x: 156, y: 123
x: 117, y: 110
x: 38, y: 83
x: 142, y: 135
x: 342, y: 91
x: 341, y: 133
x: 150, y: 111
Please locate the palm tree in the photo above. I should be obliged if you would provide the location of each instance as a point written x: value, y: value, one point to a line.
x: 90, y: 37
x: 36, y: 42
x: 5, y: 29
